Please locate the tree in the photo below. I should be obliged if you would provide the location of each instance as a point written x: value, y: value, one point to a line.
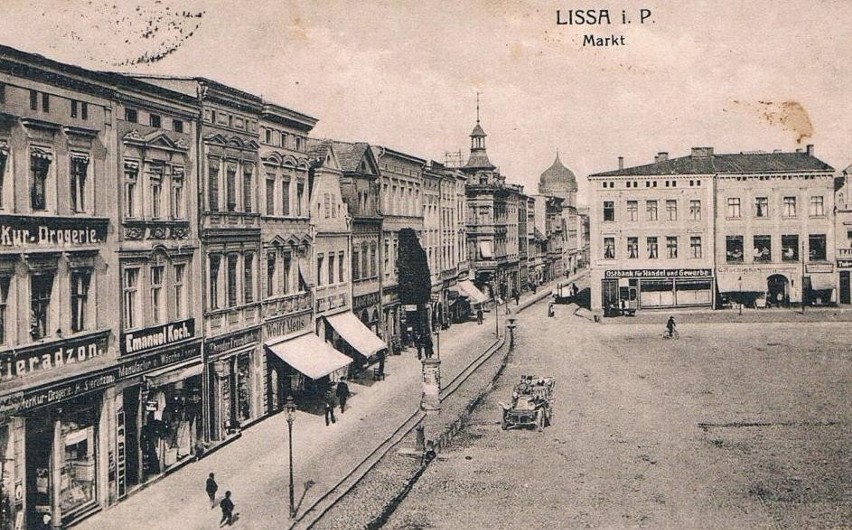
x: 413, y: 278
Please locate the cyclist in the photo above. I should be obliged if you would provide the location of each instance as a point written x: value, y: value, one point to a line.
x: 671, y: 328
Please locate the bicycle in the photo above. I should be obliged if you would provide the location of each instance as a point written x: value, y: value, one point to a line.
x: 673, y: 335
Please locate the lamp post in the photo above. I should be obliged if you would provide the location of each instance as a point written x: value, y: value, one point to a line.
x: 438, y: 342
x: 511, y: 325
x: 291, y: 416
x: 741, y: 294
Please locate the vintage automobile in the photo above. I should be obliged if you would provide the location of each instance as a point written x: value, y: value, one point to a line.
x: 531, y: 404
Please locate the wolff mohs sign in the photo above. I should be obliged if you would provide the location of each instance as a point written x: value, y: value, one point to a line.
x: 27, y: 231
x: 658, y: 273
x: 42, y: 357
x: 287, y: 325
x: 154, y: 337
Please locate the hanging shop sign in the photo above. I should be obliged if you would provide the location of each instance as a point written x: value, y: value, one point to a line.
x: 157, y: 336
x: 231, y: 342
x: 43, y: 357
x: 28, y: 231
x: 287, y: 325
x: 658, y: 273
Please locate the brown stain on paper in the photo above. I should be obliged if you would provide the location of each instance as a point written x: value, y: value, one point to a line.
x: 789, y: 115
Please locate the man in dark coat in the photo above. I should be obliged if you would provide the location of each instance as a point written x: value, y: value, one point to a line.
x: 329, y: 407
x: 342, y: 392
x: 227, y: 506
x: 211, y: 488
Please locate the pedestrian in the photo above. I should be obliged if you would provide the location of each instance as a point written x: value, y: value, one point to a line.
x: 551, y: 309
x: 418, y: 341
x: 211, y: 489
x: 517, y: 297
x: 329, y: 407
x: 427, y: 346
x: 382, y: 364
x: 342, y: 393
x: 479, y: 316
x: 227, y: 506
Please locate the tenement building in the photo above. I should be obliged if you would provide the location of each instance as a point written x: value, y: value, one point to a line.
x: 287, y: 254
x: 401, y: 207
x: 227, y: 145
x: 711, y: 230
x: 843, y: 234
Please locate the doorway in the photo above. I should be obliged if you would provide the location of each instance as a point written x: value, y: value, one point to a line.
x: 778, y: 287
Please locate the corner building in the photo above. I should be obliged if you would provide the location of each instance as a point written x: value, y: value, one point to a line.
x: 713, y: 230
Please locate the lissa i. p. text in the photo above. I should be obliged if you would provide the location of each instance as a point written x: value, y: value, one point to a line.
x: 603, y: 17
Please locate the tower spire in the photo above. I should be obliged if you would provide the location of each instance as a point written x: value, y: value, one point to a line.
x: 477, y: 106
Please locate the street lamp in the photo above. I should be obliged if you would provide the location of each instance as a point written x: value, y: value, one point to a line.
x: 290, y: 406
x: 511, y: 325
x: 438, y: 342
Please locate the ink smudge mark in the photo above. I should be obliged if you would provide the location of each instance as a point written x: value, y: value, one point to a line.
x: 789, y: 115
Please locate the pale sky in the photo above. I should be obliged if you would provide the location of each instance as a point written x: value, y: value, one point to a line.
x: 735, y: 75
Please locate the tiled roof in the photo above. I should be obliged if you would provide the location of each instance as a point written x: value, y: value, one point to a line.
x: 350, y: 154
x: 730, y: 163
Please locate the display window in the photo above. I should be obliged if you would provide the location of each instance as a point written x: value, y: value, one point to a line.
x: 77, y: 473
x: 172, y: 424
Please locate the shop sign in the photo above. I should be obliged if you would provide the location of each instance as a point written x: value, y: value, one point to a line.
x: 844, y: 264
x: 25, y: 231
x: 411, y: 308
x: 25, y: 400
x: 154, y: 337
x: 367, y: 300
x: 819, y: 267
x: 657, y: 273
x: 143, y: 364
x: 759, y: 270
x: 287, y: 325
x: 233, y: 341
x: 43, y: 357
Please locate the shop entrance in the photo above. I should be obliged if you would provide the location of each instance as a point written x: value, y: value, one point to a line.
x: 844, y: 288
x: 39, y: 446
x: 778, y: 287
x: 131, y: 436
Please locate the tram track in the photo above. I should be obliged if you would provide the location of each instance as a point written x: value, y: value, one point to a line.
x: 311, y: 515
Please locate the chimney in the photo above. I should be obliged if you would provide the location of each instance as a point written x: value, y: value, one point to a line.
x: 810, y: 149
x: 662, y: 156
x: 702, y: 152
x: 621, y: 162
x: 798, y: 149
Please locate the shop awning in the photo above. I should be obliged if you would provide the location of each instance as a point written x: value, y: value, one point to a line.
x: 733, y: 282
x: 356, y: 334
x: 822, y: 282
x: 309, y: 355
x: 470, y: 290
x: 173, y: 374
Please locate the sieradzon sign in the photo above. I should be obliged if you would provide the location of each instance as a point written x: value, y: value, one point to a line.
x: 42, y: 357
x: 658, y: 273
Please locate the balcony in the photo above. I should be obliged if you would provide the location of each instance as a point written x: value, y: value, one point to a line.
x: 286, y: 304
x: 155, y: 229
x: 232, y: 318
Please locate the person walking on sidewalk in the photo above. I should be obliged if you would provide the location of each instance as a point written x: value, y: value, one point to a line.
x: 227, y: 506
x: 479, y: 316
x: 329, y: 407
x: 342, y: 392
x: 211, y: 487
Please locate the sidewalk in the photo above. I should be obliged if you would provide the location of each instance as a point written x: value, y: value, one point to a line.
x: 255, y: 467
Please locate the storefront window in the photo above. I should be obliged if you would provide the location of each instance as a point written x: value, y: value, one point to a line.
x: 790, y: 247
x: 244, y: 387
x: 816, y: 247
x: 77, y: 475
x: 734, y: 249
x: 762, y: 248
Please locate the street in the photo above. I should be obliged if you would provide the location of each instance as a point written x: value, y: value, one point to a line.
x: 735, y: 425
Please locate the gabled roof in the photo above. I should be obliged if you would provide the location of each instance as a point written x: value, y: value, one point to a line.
x: 354, y: 155
x: 727, y: 163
